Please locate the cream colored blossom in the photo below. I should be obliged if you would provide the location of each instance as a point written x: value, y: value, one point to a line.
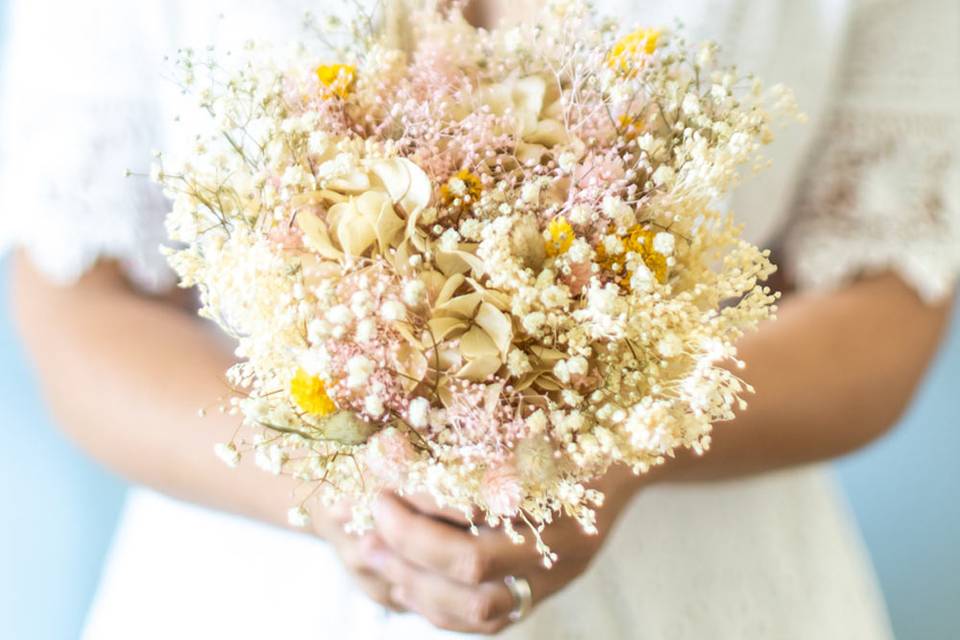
x: 490, y: 296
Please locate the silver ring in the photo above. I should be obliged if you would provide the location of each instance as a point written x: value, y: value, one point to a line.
x: 522, y: 597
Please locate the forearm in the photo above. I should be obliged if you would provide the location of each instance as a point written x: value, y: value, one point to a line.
x: 834, y: 372
x: 126, y: 376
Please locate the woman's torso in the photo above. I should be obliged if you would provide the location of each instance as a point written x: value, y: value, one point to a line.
x: 770, y: 557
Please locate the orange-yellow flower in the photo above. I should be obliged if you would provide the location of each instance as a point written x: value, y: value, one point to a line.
x: 630, y: 126
x: 310, y: 394
x: 337, y: 78
x: 629, y: 49
x: 463, y: 186
x: 639, y: 240
x: 561, y: 236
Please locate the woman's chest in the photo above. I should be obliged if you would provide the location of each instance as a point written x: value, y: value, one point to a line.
x: 794, y: 42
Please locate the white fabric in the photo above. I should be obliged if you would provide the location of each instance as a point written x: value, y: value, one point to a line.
x: 773, y: 557
x: 883, y: 186
x: 869, y: 184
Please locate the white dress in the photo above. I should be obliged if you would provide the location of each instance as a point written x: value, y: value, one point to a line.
x: 871, y: 183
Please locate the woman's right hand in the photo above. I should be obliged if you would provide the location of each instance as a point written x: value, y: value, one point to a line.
x: 355, y: 552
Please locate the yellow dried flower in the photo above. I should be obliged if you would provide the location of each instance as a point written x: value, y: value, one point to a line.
x: 465, y: 186
x: 561, y: 236
x: 337, y: 78
x: 629, y: 49
x: 310, y: 394
x: 630, y: 126
x: 639, y: 240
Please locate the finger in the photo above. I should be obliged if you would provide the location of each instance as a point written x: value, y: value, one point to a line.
x: 428, y: 543
x: 484, y: 608
x: 427, y: 505
x: 378, y: 590
x: 355, y: 551
x: 448, y: 550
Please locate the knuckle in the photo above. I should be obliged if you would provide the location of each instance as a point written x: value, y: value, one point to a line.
x: 481, y: 608
x: 472, y: 567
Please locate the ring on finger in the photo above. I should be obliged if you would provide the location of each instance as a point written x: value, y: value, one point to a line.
x: 522, y: 597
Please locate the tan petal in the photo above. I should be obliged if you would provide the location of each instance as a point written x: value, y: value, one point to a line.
x: 527, y: 97
x: 317, y: 197
x: 557, y: 192
x: 406, y: 183
x: 554, y: 110
x: 497, y: 325
x: 498, y: 299
x: 498, y: 97
x: 404, y: 330
x: 476, y: 343
x: 388, y: 226
x: 491, y: 396
x: 451, y: 263
x: 526, y: 242
x: 400, y: 259
x: 529, y: 154
x: 473, y: 262
x: 479, y: 369
x: 450, y: 287
x: 449, y: 357
x: 370, y: 203
x: 355, y: 182
x: 413, y: 366
x: 547, y: 132
x: 445, y: 392
x: 435, y: 282
x: 462, y: 306
x: 416, y: 236
x: 315, y: 235
x: 441, y: 328
x: 548, y: 382
x: 546, y: 355
x: 526, y: 380
x: 355, y: 233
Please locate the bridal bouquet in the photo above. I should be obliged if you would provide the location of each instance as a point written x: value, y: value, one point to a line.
x: 479, y: 264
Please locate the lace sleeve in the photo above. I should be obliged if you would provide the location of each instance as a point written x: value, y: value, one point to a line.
x: 79, y: 109
x: 882, y: 191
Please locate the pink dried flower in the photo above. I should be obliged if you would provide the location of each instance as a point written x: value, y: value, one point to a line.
x: 389, y: 456
x: 579, y: 277
x: 501, y: 490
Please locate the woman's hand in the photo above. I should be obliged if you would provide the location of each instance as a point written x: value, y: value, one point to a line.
x: 355, y: 552
x: 455, y: 579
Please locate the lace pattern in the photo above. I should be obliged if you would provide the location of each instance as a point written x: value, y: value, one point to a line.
x: 77, y: 116
x: 882, y: 192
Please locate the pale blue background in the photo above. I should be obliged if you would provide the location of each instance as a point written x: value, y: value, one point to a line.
x: 57, y: 510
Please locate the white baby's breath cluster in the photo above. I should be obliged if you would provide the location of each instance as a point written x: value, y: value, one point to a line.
x: 486, y: 266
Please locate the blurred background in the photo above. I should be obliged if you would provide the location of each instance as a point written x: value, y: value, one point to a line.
x: 58, y: 510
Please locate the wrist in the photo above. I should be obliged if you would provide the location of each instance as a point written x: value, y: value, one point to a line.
x: 619, y: 486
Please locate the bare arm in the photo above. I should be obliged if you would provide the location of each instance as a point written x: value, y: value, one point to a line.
x: 126, y: 375
x: 835, y: 371
x: 832, y: 374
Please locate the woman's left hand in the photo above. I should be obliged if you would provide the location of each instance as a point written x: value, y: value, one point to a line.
x: 455, y: 579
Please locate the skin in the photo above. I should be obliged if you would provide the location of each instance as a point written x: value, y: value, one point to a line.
x: 832, y: 374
